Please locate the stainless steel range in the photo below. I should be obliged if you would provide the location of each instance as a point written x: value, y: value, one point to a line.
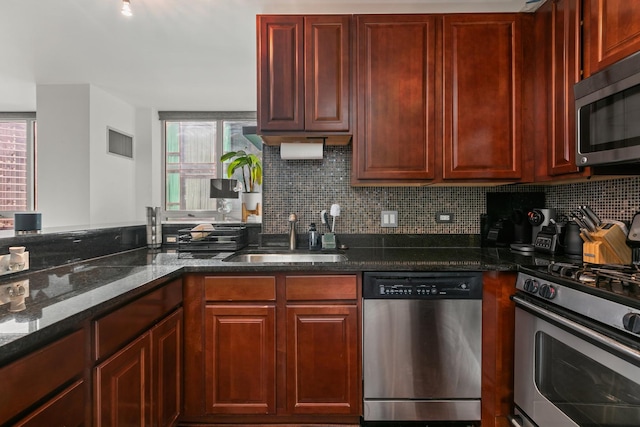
x: 577, y: 346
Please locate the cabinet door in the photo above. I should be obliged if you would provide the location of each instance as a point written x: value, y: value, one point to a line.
x: 396, y: 98
x: 123, y: 386
x: 613, y: 28
x: 482, y: 105
x: 240, y: 360
x: 558, y: 29
x: 166, y: 342
x: 326, y: 75
x: 280, y: 73
x: 322, y: 359
x: 67, y: 409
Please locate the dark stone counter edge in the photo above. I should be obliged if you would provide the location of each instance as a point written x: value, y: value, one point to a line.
x: 38, y: 339
x: 22, y: 346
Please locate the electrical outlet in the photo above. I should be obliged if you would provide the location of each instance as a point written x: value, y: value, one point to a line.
x: 389, y: 219
x: 444, y: 217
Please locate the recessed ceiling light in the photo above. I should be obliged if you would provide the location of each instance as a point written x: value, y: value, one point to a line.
x: 126, y: 8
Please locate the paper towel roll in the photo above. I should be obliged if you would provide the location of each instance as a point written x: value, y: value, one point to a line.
x: 301, y: 150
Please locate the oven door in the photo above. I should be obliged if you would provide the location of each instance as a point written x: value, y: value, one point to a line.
x: 569, y: 375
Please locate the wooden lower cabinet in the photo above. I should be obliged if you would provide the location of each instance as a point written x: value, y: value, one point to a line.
x: 322, y: 359
x: 240, y: 355
x: 66, y: 409
x: 140, y: 384
x: 267, y: 349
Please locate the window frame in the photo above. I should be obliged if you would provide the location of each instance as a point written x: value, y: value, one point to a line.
x: 194, y: 116
x: 31, y: 163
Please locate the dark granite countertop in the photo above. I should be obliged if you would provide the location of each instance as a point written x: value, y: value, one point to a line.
x: 60, y: 298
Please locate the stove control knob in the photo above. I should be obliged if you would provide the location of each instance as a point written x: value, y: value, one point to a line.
x: 547, y: 291
x: 631, y: 322
x: 531, y: 285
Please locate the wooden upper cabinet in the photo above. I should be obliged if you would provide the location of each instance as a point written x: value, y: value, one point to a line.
x: 556, y: 71
x: 482, y: 97
x: 612, y: 32
x: 326, y: 72
x: 303, y: 73
x: 396, y: 90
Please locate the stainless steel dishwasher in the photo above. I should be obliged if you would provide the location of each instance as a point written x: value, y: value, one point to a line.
x: 422, y: 346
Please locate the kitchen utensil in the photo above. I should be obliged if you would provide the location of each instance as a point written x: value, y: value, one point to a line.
x: 324, y: 217
x: 592, y: 215
x: 335, y: 211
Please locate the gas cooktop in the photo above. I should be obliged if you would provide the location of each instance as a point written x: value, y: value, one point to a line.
x: 614, y: 282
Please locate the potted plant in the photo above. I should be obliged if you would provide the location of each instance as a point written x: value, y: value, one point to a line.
x: 251, y: 167
x: 249, y: 164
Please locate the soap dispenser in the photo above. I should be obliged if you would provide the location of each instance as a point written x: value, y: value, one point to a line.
x: 314, y: 238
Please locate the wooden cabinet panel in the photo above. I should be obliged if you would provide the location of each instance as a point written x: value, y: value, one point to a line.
x: 303, y: 73
x: 322, y: 360
x: 280, y: 79
x: 41, y: 373
x: 498, y: 314
x: 239, y: 359
x: 308, y: 288
x: 240, y: 288
x: 166, y: 350
x: 558, y: 64
x: 326, y: 72
x: 396, y: 98
x: 122, y: 388
x: 482, y: 91
x: 613, y: 29
x: 65, y: 410
x: 122, y: 325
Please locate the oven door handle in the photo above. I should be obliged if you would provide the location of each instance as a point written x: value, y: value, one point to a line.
x: 596, y: 336
x: 515, y: 420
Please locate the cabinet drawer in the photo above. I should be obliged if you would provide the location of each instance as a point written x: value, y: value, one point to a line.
x: 299, y: 288
x: 34, y: 376
x: 66, y: 409
x: 117, y: 328
x: 240, y: 288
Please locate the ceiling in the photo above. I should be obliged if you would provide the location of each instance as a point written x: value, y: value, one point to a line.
x: 171, y: 54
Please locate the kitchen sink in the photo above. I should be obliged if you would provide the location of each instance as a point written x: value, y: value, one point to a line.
x: 285, y: 257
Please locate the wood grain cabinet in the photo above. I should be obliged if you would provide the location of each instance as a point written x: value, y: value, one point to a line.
x: 240, y: 345
x: 435, y: 104
x: 397, y: 101
x: 556, y: 61
x: 612, y: 32
x: 54, y: 374
x: 303, y: 73
x: 264, y: 349
x: 482, y: 112
x: 322, y: 345
x: 137, y: 381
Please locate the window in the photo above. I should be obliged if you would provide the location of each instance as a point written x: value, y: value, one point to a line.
x: 17, y: 165
x: 193, y: 144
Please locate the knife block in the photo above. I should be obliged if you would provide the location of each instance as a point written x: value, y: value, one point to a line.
x: 608, y: 246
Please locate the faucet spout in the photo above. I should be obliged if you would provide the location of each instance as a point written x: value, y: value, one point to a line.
x: 293, y: 218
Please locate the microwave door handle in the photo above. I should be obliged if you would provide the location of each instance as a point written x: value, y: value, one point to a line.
x: 596, y: 336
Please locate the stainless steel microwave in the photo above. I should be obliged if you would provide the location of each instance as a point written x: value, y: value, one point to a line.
x: 608, y: 115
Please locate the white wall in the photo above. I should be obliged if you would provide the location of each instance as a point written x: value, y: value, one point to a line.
x: 63, y: 155
x: 80, y: 184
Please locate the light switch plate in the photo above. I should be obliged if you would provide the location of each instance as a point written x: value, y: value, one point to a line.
x: 389, y: 219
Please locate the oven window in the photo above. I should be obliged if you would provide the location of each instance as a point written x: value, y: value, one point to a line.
x: 589, y: 393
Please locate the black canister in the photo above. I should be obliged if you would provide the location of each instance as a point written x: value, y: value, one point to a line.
x: 314, y: 238
x: 572, y: 240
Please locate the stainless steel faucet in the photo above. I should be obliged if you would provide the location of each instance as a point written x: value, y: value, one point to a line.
x: 293, y: 218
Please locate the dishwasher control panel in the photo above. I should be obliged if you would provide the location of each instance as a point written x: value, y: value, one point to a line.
x: 396, y: 285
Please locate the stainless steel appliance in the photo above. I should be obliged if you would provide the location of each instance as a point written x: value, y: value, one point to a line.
x: 577, y: 346
x: 608, y: 105
x: 422, y: 346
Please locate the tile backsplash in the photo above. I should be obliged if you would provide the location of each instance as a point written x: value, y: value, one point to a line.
x: 308, y: 186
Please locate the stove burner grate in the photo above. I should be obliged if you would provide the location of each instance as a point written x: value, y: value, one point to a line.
x: 622, y: 280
